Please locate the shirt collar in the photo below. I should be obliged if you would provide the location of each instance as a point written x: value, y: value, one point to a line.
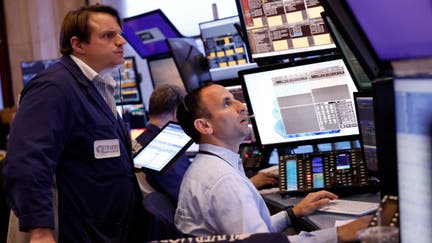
x: 226, y: 154
x: 90, y: 73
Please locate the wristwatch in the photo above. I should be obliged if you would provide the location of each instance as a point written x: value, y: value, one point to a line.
x: 291, y: 216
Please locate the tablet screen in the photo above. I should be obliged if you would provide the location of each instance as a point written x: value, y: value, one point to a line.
x: 163, y: 149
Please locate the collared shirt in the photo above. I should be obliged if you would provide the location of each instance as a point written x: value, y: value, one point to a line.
x: 216, y: 197
x: 90, y: 73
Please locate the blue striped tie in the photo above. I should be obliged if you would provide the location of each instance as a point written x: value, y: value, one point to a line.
x: 107, y: 92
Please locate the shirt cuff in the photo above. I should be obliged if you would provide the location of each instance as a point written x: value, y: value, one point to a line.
x: 324, y: 235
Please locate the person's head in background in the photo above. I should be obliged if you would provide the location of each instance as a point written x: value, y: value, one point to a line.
x: 93, y: 34
x: 163, y: 104
x: 211, y: 114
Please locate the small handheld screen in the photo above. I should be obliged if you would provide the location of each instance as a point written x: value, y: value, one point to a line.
x: 163, y: 150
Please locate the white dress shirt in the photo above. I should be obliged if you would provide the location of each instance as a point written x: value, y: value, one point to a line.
x: 216, y: 197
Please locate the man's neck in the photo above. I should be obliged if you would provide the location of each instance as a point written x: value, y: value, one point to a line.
x: 159, y: 121
x: 233, y: 146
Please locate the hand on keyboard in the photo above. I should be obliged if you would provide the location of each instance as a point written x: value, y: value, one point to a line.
x: 312, y: 202
x: 349, y: 207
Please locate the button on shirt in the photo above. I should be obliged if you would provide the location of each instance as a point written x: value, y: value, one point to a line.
x: 216, y: 197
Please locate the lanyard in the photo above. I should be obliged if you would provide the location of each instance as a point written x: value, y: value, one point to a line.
x: 213, y: 154
x: 210, y: 153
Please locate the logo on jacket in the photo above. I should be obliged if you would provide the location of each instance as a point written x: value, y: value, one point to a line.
x: 108, y: 148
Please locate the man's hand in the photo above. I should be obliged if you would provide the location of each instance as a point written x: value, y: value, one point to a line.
x: 348, y: 232
x: 41, y: 235
x: 264, y: 179
x: 312, y: 202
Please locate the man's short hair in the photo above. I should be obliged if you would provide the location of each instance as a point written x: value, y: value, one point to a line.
x: 165, y: 99
x: 191, y: 109
x: 75, y: 23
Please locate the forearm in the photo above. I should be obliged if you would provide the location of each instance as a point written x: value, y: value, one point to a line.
x: 42, y: 235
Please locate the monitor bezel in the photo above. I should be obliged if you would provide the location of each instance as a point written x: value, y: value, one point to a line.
x: 276, y: 58
x: 365, y: 94
x: 335, y: 33
x: 349, y: 28
x: 137, y: 45
x: 306, y: 141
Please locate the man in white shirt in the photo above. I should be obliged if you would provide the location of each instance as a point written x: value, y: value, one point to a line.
x: 215, y: 196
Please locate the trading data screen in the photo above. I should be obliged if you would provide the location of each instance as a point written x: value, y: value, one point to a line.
x: 414, y: 153
x: 279, y: 28
x: 302, y: 102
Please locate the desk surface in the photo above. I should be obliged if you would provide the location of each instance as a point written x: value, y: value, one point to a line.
x: 319, y: 220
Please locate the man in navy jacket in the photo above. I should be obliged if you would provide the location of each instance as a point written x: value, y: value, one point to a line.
x: 66, y: 132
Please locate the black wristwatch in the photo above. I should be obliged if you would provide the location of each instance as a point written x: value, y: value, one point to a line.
x: 292, y: 217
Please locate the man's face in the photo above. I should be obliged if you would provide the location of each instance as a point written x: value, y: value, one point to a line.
x: 105, y: 48
x: 229, y: 117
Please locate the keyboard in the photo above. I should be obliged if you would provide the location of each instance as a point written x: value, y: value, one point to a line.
x: 349, y: 207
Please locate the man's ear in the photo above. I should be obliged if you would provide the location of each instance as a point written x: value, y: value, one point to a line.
x: 77, y: 46
x: 203, y: 126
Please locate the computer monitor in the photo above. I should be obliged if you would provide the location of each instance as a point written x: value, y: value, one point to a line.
x: 223, y: 44
x: 225, y: 49
x: 395, y: 29
x: 414, y: 157
x: 127, y: 79
x: 366, y: 122
x: 164, y: 71
x: 360, y: 77
x: 147, y: 33
x: 281, y: 29
x: 352, y: 34
x: 190, y: 62
x: 302, y: 102
x: 29, y: 69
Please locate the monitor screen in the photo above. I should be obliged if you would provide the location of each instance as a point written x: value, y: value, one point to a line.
x: 352, y: 34
x: 164, y: 71
x: 127, y: 80
x: 414, y: 154
x: 163, y: 150
x: 223, y: 44
x: 360, y: 77
x: 366, y: 122
x: 396, y: 29
x: 301, y: 102
x: 190, y: 62
x: 29, y: 69
x: 148, y: 33
x: 278, y: 29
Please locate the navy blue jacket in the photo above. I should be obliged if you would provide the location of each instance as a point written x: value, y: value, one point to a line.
x: 60, y: 117
x: 168, y: 183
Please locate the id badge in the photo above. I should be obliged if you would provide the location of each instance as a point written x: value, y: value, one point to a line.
x: 108, y: 148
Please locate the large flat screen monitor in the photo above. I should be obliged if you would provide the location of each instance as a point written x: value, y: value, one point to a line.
x: 348, y: 27
x: 190, y: 61
x: 396, y: 29
x: 29, y: 69
x: 127, y: 79
x: 414, y: 157
x: 148, y: 33
x: 304, y: 102
x: 279, y: 29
